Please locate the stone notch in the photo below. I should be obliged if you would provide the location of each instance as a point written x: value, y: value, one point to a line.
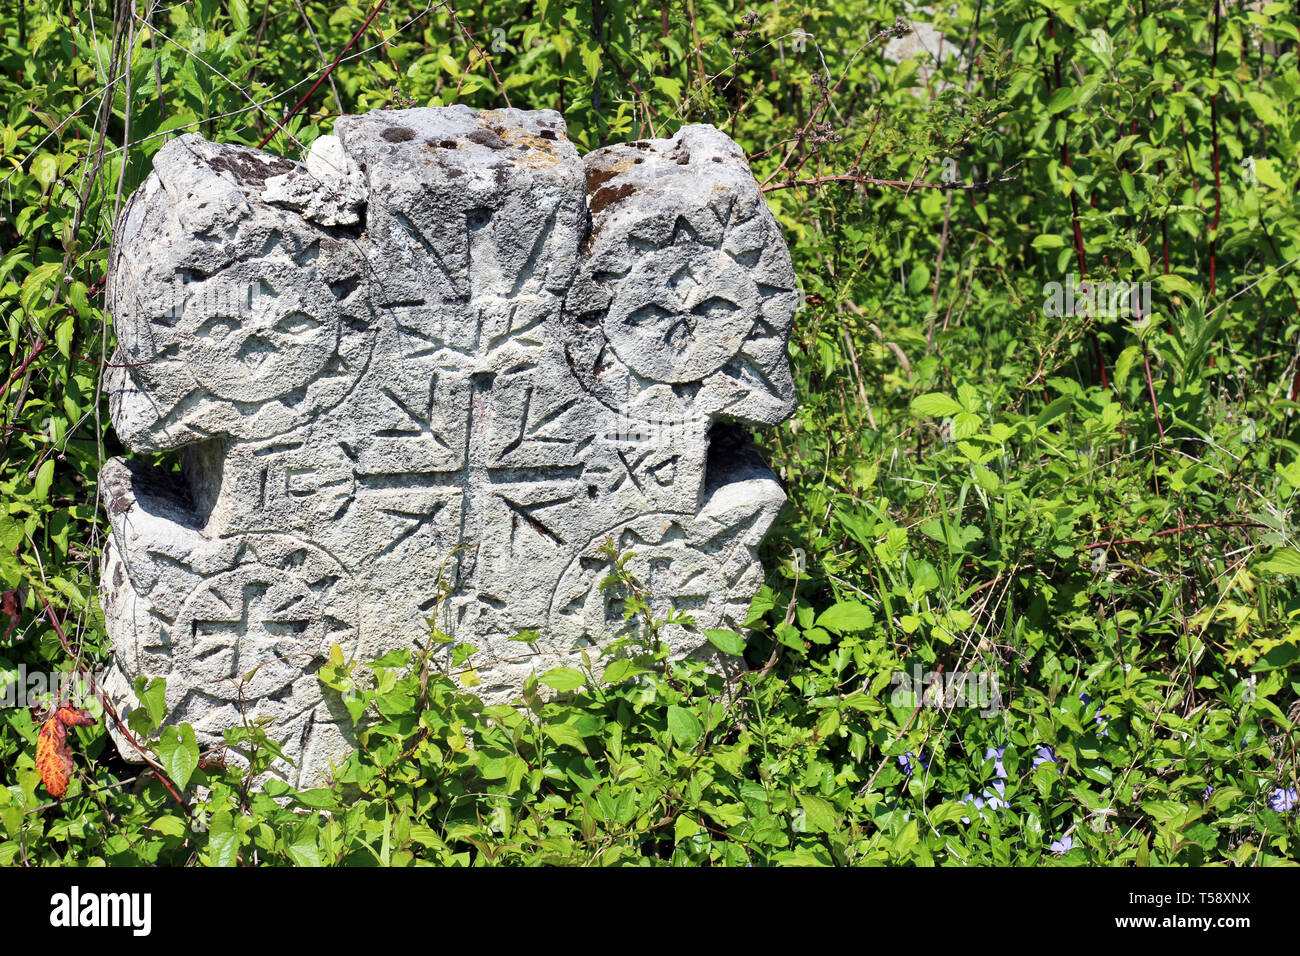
x: 429, y: 372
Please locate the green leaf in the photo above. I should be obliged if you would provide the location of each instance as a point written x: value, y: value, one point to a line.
x: 152, y: 694
x: 591, y: 60
x: 317, y: 799
x: 819, y: 813
x: 1062, y: 99
x: 918, y: 279
x: 1263, y: 106
x: 566, y: 735
x: 239, y: 14
x: 684, y: 726
x: 670, y: 87
x: 1124, y: 363
x: 178, y: 752
x: 620, y: 670
x: 986, y: 478
x: 305, y: 848
x: 563, y: 679
x: 1266, y: 172
x: 935, y: 405
x: 965, y: 424
x: 1282, y: 656
x: 1177, y: 284
x: 45, y: 169
x: 44, y: 477
x: 846, y: 616
x: 684, y: 828
x: 171, y: 826
x: 1280, y: 561
x: 1054, y: 410
x: 729, y: 642
x: 906, y: 839
x: 223, y: 840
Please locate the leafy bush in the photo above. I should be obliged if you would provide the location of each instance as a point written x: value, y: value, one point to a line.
x: 1091, y: 513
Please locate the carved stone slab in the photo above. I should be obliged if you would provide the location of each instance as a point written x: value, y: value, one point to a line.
x: 444, y: 353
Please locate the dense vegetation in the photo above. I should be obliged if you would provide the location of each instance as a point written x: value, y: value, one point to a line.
x: 1090, y: 512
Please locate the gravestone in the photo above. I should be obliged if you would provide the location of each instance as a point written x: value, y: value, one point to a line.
x: 428, y: 373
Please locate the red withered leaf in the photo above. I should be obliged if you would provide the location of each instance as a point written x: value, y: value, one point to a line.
x: 75, y: 716
x: 53, y: 756
x: 53, y: 759
x: 9, y: 605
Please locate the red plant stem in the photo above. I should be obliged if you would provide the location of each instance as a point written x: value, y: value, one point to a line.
x: 40, y: 347
x: 1214, y: 139
x: 324, y: 76
x: 1178, y: 530
x: 1074, y: 213
x: 1151, y: 391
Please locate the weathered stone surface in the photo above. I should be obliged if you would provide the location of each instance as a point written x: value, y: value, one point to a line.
x: 445, y: 353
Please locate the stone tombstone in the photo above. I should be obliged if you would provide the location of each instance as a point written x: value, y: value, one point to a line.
x: 429, y: 372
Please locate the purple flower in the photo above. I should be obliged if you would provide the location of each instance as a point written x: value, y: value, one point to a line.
x: 995, y: 754
x: 1282, y: 800
x: 905, y: 761
x: 993, y: 799
x: 1062, y: 845
x: 1044, y: 755
x: 1209, y: 789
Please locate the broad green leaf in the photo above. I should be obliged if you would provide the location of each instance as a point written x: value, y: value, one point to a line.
x: 1281, y: 561
x: 223, y: 839
x: 563, y: 678
x: 178, y: 752
x: 819, y: 813
x: 729, y: 642
x: 935, y: 405
x: 684, y: 726
x: 846, y: 616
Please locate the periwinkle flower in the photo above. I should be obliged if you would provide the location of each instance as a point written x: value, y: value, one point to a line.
x: 1044, y: 755
x: 905, y: 761
x: 998, y: 802
x: 1062, y: 845
x: 993, y: 799
x: 995, y: 754
x: 1209, y: 789
x: 1282, y: 800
